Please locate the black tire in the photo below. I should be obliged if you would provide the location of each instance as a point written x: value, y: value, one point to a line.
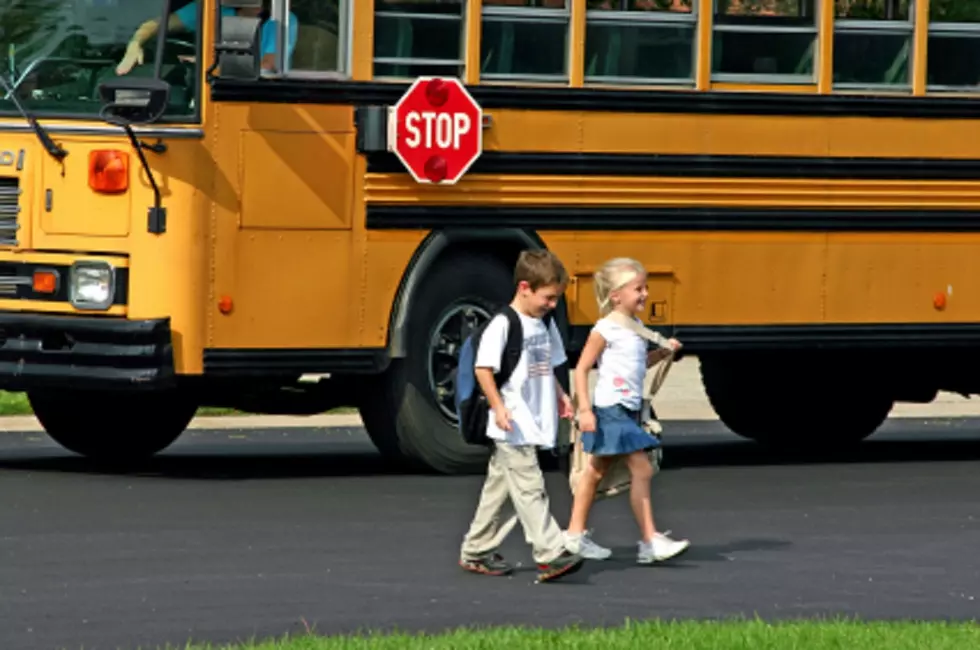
x: 112, y: 426
x: 793, y: 402
x: 399, y: 409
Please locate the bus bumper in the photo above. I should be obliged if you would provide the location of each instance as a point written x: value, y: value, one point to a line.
x: 48, y: 351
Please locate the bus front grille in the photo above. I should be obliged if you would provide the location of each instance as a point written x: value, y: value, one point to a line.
x: 9, y: 210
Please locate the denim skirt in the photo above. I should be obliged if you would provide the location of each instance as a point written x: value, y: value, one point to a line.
x: 618, y: 432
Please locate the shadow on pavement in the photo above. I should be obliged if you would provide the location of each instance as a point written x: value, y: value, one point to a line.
x: 268, y: 457
x: 747, y: 453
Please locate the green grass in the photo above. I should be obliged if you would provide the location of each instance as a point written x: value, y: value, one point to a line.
x: 17, y: 404
x: 724, y: 635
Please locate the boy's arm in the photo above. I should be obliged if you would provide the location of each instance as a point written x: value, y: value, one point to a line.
x: 558, y: 360
x: 501, y: 414
x: 488, y: 357
x: 485, y: 378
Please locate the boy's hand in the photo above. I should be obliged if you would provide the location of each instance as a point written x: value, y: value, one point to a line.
x: 586, y: 421
x: 565, y: 408
x: 502, y: 417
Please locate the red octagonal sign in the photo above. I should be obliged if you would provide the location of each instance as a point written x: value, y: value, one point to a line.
x: 436, y: 130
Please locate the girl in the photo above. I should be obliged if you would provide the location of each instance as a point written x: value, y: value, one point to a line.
x: 612, y: 429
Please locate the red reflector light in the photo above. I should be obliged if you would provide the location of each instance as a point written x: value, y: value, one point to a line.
x: 108, y: 171
x: 435, y: 168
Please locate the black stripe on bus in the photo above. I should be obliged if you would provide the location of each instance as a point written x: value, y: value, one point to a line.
x: 574, y: 217
x: 608, y: 164
x: 308, y: 91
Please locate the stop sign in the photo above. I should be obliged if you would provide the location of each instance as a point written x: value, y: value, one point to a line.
x: 436, y: 130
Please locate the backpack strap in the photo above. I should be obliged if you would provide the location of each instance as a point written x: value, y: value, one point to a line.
x: 513, y: 348
x: 654, y: 337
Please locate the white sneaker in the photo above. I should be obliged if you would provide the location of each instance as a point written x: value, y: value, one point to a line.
x: 583, y: 545
x: 660, y: 548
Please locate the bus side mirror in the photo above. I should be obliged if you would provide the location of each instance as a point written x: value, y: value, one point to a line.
x: 237, y: 47
x: 134, y: 100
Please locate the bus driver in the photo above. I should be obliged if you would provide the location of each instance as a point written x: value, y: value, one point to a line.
x: 185, y: 20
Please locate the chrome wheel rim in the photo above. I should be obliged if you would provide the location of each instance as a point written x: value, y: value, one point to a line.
x: 448, y: 335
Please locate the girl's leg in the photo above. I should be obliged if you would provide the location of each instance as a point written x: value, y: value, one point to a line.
x: 577, y: 540
x: 641, y: 473
x: 654, y: 547
x: 585, y: 494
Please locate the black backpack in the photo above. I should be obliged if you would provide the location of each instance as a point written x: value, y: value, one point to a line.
x: 472, y: 407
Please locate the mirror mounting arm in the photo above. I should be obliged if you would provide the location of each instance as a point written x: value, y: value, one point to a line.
x: 156, y: 221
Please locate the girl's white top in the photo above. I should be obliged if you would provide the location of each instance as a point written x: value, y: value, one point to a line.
x: 622, y: 366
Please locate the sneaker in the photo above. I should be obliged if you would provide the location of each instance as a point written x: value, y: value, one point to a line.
x: 564, y: 565
x: 492, y: 565
x: 660, y: 548
x: 583, y: 545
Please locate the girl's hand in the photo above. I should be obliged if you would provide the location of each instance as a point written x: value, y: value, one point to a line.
x: 586, y: 421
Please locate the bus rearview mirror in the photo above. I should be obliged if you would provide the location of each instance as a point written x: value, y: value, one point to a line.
x: 134, y: 100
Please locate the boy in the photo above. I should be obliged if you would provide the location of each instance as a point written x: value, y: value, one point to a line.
x: 524, y: 416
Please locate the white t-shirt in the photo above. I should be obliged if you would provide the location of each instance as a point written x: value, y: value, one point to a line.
x: 530, y: 394
x: 622, y: 366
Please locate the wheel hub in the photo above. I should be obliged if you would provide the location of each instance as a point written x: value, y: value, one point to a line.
x: 448, y: 335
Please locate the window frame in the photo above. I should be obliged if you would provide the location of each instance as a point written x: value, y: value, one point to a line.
x: 534, y: 15
x: 618, y: 17
x: 763, y: 78
x: 280, y: 10
x: 886, y: 27
x: 387, y: 60
x: 955, y: 30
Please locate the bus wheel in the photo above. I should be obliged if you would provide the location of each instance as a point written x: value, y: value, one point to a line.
x: 409, y: 411
x: 793, y: 403
x: 113, y: 426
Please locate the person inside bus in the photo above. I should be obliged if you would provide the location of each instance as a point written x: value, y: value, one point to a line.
x: 185, y: 20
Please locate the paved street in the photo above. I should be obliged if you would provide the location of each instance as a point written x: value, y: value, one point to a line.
x: 262, y: 532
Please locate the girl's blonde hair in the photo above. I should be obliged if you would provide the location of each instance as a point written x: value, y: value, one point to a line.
x: 613, y: 275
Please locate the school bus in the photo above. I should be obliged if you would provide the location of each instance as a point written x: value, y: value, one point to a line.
x: 198, y: 205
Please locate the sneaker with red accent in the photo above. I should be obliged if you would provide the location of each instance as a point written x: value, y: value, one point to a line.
x: 564, y: 565
x: 491, y: 565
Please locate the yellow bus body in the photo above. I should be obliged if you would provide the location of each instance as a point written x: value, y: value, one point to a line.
x: 793, y: 237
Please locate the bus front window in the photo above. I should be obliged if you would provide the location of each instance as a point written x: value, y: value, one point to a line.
x: 56, y: 53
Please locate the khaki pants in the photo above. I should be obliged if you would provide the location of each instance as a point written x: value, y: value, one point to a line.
x: 514, y: 483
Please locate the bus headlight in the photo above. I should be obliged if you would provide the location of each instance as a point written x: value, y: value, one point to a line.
x: 91, y: 285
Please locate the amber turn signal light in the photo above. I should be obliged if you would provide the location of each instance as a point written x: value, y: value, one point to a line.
x: 108, y: 171
x: 45, y: 282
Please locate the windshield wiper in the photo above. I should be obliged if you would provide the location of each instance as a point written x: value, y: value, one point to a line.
x: 50, y: 146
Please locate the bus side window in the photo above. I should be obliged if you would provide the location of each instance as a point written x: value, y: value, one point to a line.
x: 771, y: 42
x: 873, y: 44
x: 640, y: 41
x: 954, y: 46
x: 418, y: 37
x: 321, y: 40
x: 525, y: 39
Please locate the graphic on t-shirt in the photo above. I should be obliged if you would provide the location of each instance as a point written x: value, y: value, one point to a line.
x: 538, y: 355
x: 621, y: 386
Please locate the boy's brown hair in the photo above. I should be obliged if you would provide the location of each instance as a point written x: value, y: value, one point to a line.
x: 539, y: 268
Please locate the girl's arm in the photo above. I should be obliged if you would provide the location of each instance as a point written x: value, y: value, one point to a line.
x: 586, y: 361
x: 660, y: 353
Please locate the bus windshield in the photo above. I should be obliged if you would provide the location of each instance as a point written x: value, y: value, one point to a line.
x: 55, y: 53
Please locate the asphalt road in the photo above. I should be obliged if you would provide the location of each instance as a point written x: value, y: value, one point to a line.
x: 245, y: 534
